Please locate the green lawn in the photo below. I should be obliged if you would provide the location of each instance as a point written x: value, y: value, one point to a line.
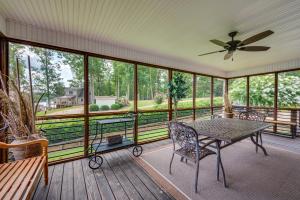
x: 142, y: 105
x: 53, y: 111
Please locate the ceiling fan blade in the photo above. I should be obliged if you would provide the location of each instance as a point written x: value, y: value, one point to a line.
x: 228, y: 55
x: 211, y: 52
x: 256, y: 37
x: 254, y: 48
x: 220, y: 43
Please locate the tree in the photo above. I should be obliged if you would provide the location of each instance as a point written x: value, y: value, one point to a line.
x: 178, y: 89
x: 237, y: 91
x: 16, y: 51
x: 288, y: 90
x: 75, y: 62
x: 219, y: 87
x: 46, y: 75
x: 262, y: 90
x: 203, y: 86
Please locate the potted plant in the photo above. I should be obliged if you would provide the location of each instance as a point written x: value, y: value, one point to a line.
x: 178, y: 90
x: 228, y: 110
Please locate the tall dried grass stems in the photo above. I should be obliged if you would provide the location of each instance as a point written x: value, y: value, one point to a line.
x: 16, y: 111
x: 227, y: 104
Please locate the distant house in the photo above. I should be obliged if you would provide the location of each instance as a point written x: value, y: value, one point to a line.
x: 72, y: 97
x: 105, y: 100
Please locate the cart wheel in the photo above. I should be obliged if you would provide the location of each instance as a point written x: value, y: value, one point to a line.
x: 137, y: 151
x: 95, y: 162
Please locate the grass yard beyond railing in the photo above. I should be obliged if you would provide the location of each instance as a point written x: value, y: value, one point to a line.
x: 66, y: 136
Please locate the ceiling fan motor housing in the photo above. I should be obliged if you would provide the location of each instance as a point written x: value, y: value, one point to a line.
x: 232, y: 45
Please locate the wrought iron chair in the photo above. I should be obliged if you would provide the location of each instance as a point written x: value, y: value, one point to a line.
x: 254, y: 116
x: 186, y: 145
x: 215, y: 116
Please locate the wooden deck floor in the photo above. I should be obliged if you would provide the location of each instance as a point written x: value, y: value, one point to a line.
x: 120, y: 177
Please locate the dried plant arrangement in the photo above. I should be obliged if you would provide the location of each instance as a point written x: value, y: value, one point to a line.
x: 19, y: 114
x: 228, y: 109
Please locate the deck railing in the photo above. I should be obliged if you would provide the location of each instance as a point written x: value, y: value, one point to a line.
x: 66, y: 136
x: 286, y: 121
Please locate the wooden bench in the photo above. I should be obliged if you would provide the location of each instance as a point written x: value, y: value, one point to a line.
x: 293, y: 125
x: 282, y: 122
x: 18, y: 179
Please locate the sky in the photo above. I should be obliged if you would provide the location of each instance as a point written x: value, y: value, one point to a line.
x: 65, y: 70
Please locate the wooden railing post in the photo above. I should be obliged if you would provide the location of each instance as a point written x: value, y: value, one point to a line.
x: 3, y: 70
x: 294, y: 120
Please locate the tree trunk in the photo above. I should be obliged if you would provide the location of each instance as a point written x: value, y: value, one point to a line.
x: 175, y: 109
x: 92, y: 89
x: 128, y: 91
x: 118, y: 87
x: 47, y: 79
x: 151, y: 85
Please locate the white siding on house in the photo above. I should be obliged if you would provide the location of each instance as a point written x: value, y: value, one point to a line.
x: 101, y: 101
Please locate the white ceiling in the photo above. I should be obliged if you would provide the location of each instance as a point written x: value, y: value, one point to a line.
x: 177, y: 28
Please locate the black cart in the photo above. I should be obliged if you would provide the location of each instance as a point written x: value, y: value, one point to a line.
x: 101, y: 145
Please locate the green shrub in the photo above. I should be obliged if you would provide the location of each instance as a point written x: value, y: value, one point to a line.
x: 159, y: 98
x: 104, y: 107
x: 94, y: 107
x: 116, y: 106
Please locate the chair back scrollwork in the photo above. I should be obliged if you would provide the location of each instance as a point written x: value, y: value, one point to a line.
x: 252, y: 115
x: 184, y: 136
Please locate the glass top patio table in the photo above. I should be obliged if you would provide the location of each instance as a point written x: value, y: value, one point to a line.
x: 228, y: 130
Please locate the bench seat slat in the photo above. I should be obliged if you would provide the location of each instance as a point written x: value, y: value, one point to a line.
x: 5, y: 169
x: 18, y: 182
x: 24, y: 184
x: 34, y: 181
x: 16, y: 179
x: 12, y: 173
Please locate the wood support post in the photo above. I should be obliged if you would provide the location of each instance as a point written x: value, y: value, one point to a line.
x: 86, y: 105
x: 294, y: 120
x: 135, y: 101
x: 194, y: 96
x: 170, y: 76
x: 248, y: 93
x: 275, y: 101
x: 3, y: 71
x: 212, y: 96
x: 226, y: 85
x: 170, y: 111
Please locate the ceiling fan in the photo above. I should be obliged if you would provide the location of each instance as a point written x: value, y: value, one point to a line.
x: 233, y: 45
